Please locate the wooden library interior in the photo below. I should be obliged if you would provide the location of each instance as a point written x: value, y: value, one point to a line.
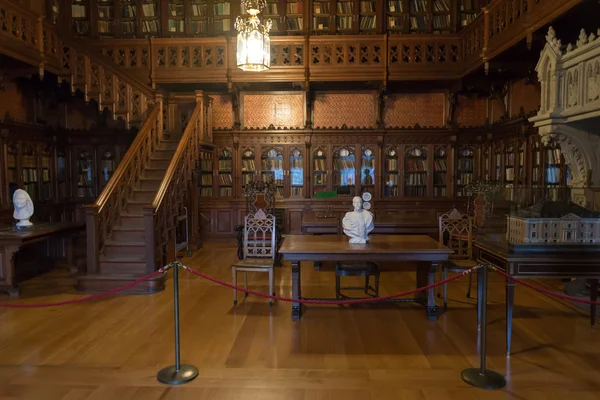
x: 410, y: 190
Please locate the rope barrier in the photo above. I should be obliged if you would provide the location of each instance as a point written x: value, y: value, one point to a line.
x: 329, y: 302
x: 544, y: 291
x: 88, y: 298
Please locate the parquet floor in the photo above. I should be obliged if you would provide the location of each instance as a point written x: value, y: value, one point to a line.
x: 112, y: 349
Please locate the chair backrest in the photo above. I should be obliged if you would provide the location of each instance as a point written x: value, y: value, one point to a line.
x: 456, y: 232
x: 260, y: 196
x: 259, y: 235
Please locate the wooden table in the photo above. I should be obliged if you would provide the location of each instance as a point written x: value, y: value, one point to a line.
x: 538, y: 261
x: 384, y: 225
x: 13, y: 239
x: 429, y: 252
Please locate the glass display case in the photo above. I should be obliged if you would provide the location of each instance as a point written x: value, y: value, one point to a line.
x: 440, y: 171
x: 465, y: 168
x: 272, y: 167
x: 248, y: 166
x: 390, y: 186
x: 296, y: 173
x: 344, y: 171
x: 225, y: 172
x: 367, y: 169
x: 319, y: 181
x: 205, y: 177
x: 415, y: 171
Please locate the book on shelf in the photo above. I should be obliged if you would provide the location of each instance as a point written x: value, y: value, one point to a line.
x: 441, y: 6
x: 321, y: 23
x: 78, y: 11
x: 199, y: 10
x: 206, y: 165
x: 206, y: 180
x: 418, y: 23
x: 106, y: 27
x: 128, y: 11
x: 416, y: 165
x: 439, y: 178
x: 439, y: 191
x: 81, y: 27
x: 391, y: 180
x: 368, y: 22
x: 271, y: 9
x: 414, y: 191
x: 344, y: 22
x: 206, y: 192
x: 367, y: 7
x: 176, y: 25
x: 415, y: 179
x: 294, y: 7
x: 248, y: 165
x: 225, y: 165
x: 296, y: 191
x: 345, y: 7
x: 221, y: 8
x: 395, y: 22
x: 321, y: 7
x: 127, y: 27
x: 149, y: 10
x: 464, y: 178
x: 440, y: 165
x: 391, y: 164
x: 395, y: 6
x: 418, y: 6
x: 294, y: 24
x: 225, y: 179
x: 319, y: 164
x: 441, y: 22
x: 150, y: 26
x: 225, y: 192
x: 177, y: 10
x: 223, y: 25
x: 320, y: 179
x: 105, y: 12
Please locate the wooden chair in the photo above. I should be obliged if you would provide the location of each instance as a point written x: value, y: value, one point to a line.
x: 259, y: 250
x: 366, y: 269
x: 456, y: 232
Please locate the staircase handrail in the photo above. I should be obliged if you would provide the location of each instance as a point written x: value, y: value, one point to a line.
x: 105, y: 212
x: 172, y: 194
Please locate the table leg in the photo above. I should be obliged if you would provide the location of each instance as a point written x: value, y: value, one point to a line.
x: 593, y: 297
x: 431, y: 306
x: 510, y: 299
x: 296, y: 291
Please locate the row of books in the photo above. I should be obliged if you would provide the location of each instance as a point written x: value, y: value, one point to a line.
x: 177, y: 10
x: 105, y: 11
x: 418, y: 6
x: 321, y: 7
x: 345, y: 7
x: 206, y: 180
x: 225, y: 165
x: 368, y: 22
x: 294, y: 7
x: 553, y: 156
x: 391, y: 164
x: 439, y: 178
x: 416, y: 165
x: 106, y: 27
x: 206, y: 164
x: 271, y: 9
x: 199, y: 10
x: 248, y: 165
x: 222, y: 8
x: 78, y: 11
x: 268, y: 178
x: 271, y: 165
x: 206, y: 192
x: 464, y: 178
x: 339, y: 164
x: 296, y: 191
x: 225, y: 179
x: 465, y: 164
x: 412, y: 179
x: 226, y: 192
x: 418, y: 23
x: 441, y: 6
x: 30, y: 175
x: 553, y: 175
x: 149, y: 10
x: 367, y: 6
x: 415, y: 191
x: 440, y: 165
x: 395, y: 6
x: 439, y: 191
x: 176, y: 25
x: 441, y: 21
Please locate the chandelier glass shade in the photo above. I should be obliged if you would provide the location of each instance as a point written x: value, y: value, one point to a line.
x: 253, y: 41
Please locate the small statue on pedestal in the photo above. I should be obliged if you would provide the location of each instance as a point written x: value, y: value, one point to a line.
x: 358, y: 223
x: 23, y: 208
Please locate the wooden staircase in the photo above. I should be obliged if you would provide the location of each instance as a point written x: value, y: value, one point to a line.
x: 124, y: 256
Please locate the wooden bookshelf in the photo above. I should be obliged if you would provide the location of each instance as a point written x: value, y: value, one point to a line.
x: 79, y: 17
x: 416, y: 172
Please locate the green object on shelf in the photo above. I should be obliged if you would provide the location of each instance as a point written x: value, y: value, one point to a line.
x: 325, y: 195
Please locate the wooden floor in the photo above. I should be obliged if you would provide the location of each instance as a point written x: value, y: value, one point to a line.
x: 112, y: 349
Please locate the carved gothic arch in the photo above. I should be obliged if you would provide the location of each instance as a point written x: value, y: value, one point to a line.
x: 580, y: 150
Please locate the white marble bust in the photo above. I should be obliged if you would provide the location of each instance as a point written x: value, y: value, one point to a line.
x: 23, y: 208
x: 358, y: 223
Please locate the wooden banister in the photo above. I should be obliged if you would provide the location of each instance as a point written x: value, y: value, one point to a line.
x: 174, y: 192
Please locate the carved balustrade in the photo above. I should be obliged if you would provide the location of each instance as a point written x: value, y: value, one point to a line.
x: 473, y: 43
x: 21, y: 33
x: 424, y: 57
x: 176, y: 190
x: 106, y: 211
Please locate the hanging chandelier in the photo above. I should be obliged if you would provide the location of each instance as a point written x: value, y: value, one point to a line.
x: 253, y: 41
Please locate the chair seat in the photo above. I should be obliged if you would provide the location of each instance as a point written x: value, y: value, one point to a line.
x: 462, y: 264
x: 254, y: 263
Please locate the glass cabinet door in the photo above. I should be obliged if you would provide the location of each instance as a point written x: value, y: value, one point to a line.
x: 46, y: 172
x: 225, y: 172
x: 390, y: 184
x: 198, y: 17
x: 464, y: 172
x: 344, y: 171
x: 61, y: 172
x: 536, y: 164
x: 497, y: 163
x: 440, y: 171
x: 296, y: 173
x: 553, y: 165
x: 319, y: 174
x: 415, y: 172
x: 248, y: 166
x: 107, y: 166
x: 367, y: 169
x: 272, y: 167
x: 29, y: 171
x: 85, y: 174
x: 206, y: 174
x: 486, y: 163
x: 13, y: 179
x: 521, y: 163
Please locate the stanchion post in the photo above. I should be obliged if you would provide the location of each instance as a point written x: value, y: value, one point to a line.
x: 482, y: 377
x: 177, y: 374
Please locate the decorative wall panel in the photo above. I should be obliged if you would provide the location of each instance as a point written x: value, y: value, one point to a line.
x: 471, y: 111
x: 352, y: 110
x: 496, y: 110
x: 279, y: 110
x: 222, y: 112
x: 526, y: 96
x: 407, y: 110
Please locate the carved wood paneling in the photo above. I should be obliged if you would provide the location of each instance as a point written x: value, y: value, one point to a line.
x: 222, y: 112
x: 471, y: 111
x: 336, y: 110
x: 285, y: 110
x: 423, y: 109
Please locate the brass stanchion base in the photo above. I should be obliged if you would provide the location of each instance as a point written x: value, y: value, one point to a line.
x: 171, y: 376
x: 491, y: 380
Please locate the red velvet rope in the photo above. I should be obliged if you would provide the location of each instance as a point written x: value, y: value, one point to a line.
x: 545, y: 291
x: 338, y: 302
x: 87, y: 298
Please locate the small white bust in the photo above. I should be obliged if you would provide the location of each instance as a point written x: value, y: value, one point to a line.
x: 358, y: 223
x: 23, y: 208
